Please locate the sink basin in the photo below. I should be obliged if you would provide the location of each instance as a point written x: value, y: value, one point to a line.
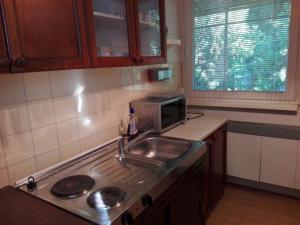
x: 159, y: 148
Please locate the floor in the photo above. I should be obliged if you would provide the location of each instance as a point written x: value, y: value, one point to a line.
x: 243, y: 206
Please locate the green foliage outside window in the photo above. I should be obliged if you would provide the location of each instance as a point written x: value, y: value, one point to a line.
x: 242, y: 48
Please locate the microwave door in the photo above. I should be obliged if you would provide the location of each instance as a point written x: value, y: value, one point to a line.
x: 172, y: 113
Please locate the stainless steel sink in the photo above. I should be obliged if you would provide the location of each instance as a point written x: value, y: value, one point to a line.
x: 161, y: 149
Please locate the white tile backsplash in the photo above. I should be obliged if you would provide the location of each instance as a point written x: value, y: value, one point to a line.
x: 66, y: 107
x: 70, y: 150
x: 45, y: 139
x: 88, y: 143
x: 47, y: 159
x: 67, y: 132
x: 18, y: 148
x: 14, y: 119
x: 4, y: 179
x: 61, y: 83
x: 11, y: 89
x: 22, y: 169
x: 66, y: 112
x: 2, y: 156
x: 37, y: 85
x: 41, y: 113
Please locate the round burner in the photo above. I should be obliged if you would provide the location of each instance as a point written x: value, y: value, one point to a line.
x: 73, y: 186
x: 106, y: 198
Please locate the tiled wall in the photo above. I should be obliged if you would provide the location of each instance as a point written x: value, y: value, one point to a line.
x: 47, y: 117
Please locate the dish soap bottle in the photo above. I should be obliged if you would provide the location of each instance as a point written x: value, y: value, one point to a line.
x: 132, y: 126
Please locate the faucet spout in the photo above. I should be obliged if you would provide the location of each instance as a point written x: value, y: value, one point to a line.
x: 123, y: 148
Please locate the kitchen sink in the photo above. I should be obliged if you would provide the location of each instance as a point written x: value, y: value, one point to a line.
x: 158, y: 149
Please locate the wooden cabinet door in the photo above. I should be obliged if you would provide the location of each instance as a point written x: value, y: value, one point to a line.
x: 214, y: 170
x: 244, y: 155
x: 297, y: 181
x: 207, y: 185
x: 4, y: 56
x: 111, y: 32
x: 151, y: 31
x: 186, y: 201
x: 47, y: 34
x: 157, y: 214
x: 218, y: 164
x: 278, y: 161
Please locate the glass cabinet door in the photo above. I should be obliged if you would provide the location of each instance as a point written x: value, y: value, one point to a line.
x: 111, y: 32
x: 111, y: 28
x: 151, y: 28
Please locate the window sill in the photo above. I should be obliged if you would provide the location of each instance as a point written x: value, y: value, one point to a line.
x: 288, y: 106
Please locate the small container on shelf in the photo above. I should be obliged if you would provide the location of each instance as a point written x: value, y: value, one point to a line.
x: 148, y: 18
x: 105, y: 51
x: 141, y: 16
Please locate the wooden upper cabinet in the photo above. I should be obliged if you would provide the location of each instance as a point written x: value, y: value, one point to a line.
x: 126, y: 32
x: 47, y: 34
x: 4, y: 56
x: 151, y: 31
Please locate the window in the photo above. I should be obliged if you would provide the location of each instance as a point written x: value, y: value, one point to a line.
x: 241, y: 49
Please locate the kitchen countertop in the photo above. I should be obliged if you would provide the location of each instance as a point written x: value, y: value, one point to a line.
x: 197, y: 129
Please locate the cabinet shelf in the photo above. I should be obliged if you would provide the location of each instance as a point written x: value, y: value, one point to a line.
x: 109, y: 19
x: 108, y: 16
x: 147, y: 25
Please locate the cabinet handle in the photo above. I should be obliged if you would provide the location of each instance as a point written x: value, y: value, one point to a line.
x: 20, y: 61
x: 147, y: 200
x: 127, y: 218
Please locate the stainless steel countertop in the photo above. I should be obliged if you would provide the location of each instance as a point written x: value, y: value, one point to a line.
x: 103, y: 166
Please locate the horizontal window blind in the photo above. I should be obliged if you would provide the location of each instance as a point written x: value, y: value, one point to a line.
x: 241, y: 45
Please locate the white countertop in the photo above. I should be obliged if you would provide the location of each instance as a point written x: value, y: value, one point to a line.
x: 197, y: 129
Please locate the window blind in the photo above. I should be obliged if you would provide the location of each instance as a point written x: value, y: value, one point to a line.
x: 241, y: 45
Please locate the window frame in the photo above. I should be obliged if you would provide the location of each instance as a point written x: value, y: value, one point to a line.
x: 198, y: 97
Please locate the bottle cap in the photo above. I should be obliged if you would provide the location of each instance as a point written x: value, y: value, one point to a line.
x: 131, y: 110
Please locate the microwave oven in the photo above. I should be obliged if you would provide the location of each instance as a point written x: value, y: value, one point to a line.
x: 160, y: 113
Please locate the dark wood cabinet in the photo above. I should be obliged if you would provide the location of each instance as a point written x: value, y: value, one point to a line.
x: 46, y: 35
x: 126, y: 32
x: 180, y: 204
x: 214, y: 170
x: 4, y: 55
x: 55, y: 34
x: 186, y: 203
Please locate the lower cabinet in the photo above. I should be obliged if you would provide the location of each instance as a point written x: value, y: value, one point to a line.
x: 214, y: 170
x: 180, y: 204
x: 186, y: 203
x: 264, y: 160
x: 243, y: 156
x: 279, y: 161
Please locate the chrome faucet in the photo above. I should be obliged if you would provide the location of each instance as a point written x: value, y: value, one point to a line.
x: 123, y: 148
